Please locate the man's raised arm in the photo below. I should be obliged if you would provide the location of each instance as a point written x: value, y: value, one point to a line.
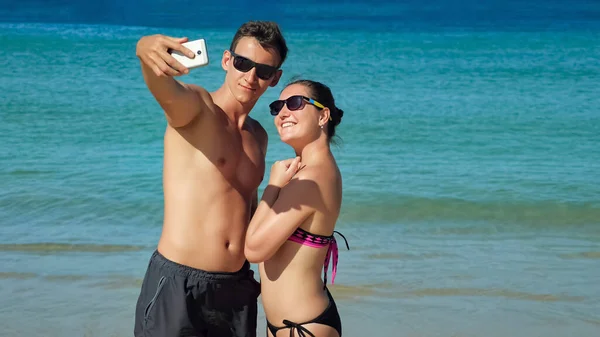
x: 181, y: 102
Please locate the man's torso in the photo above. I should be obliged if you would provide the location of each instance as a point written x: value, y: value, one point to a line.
x: 211, y: 171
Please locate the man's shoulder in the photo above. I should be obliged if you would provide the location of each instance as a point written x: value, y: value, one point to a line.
x: 202, y: 92
x: 258, y: 131
x: 255, y: 125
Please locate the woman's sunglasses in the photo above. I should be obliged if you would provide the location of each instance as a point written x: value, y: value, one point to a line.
x: 263, y: 71
x: 293, y: 103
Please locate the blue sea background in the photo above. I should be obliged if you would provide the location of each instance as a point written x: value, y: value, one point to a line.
x: 470, y: 152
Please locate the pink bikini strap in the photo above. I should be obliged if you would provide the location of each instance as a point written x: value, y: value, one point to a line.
x: 332, y: 251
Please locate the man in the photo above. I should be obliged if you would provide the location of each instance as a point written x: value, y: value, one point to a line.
x: 198, y: 282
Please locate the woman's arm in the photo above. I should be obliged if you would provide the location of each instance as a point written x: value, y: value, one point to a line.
x: 280, y: 211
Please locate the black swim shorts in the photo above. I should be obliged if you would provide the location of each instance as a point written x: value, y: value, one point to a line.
x: 177, y: 300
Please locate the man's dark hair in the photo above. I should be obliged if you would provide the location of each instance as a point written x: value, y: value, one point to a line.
x: 267, y: 33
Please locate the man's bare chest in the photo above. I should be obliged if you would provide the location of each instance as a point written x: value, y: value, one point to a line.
x: 236, y: 155
x: 241, y: 161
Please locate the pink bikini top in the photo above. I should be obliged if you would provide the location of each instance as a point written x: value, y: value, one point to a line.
x: 318, y: 241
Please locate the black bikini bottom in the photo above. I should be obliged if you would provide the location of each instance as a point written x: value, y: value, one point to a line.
x: 329, y: 317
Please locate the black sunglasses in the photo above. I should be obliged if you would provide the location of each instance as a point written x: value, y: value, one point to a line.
x: 293, y: 103
x: 263, y: 71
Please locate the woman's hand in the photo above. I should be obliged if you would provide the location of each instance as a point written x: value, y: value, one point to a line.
x: 282, y: 171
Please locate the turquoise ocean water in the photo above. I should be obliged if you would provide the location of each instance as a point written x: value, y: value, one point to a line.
x: 470, y: 152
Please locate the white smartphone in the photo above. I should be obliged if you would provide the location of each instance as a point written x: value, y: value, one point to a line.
x: 198, y: 47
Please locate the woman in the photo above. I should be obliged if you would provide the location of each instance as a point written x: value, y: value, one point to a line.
x: 291, y: 232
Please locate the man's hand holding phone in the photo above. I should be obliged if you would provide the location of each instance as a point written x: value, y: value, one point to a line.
x: 155, y: 52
